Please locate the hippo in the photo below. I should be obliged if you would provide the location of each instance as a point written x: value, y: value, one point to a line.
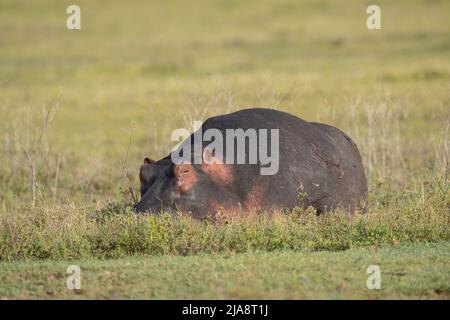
x: 312, y: 165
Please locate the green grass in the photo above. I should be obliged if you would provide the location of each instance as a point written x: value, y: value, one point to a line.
x: 417, y: 271
x: 57, y: 233
x: 134, y: 73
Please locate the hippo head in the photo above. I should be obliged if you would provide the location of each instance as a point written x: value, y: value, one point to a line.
x: 198, y: 189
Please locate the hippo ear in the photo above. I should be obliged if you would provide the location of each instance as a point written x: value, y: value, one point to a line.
x: 185, y: 175
x: 148, y: 161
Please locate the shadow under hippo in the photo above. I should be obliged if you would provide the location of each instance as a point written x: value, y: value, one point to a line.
x: 299, y: 163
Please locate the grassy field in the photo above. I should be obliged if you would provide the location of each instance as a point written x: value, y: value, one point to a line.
x: 407, y: 271
x: 80, y: 110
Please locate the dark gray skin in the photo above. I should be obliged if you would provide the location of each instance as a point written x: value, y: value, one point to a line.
x: 320, y: 166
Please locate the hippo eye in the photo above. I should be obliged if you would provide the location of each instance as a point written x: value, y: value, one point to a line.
x: 181, y: 170
x: 184, y: 171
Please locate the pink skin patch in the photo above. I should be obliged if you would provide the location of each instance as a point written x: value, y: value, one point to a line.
x: 220, y: 173
x: 253, y: 201
x: 252, y: 204
x: 186, y: 177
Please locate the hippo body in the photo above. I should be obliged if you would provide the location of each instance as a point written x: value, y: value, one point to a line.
x: 319, y: 166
